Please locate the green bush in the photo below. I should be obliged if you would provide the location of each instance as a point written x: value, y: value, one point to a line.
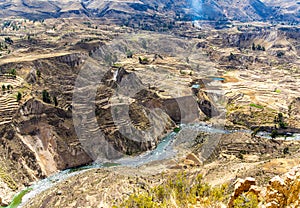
x: 140, y: 201
x: 13, y: 72
x: 181, y: 189
x: 143, y: 60
x: 274, y: 134
x: 177, y: 129
x: 46, y: 96
x: 19, y: 96
x: 129, y: 54
x: 286, y: 151
x: 249, y: 200
x: 55, y: 101
x: 38, y: 73
x: 8, y: 40
x: 256, y: 106
x: 280, y: 54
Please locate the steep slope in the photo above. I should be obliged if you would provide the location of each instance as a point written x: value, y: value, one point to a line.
x: 285, y: 9
x: 245, y: 10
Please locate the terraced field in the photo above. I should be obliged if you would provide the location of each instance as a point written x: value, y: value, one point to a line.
x: 8, y: 99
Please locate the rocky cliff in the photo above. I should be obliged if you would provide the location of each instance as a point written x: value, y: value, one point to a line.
x: 282, y: 191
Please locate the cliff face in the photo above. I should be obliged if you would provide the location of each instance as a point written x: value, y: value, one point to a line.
x: 48, y: 132
x: 39, y: 138
x: 40, y: 141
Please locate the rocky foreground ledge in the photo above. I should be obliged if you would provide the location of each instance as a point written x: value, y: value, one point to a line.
x: 282, y: 191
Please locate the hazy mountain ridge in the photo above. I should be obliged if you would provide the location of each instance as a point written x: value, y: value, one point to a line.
x: 243, y: 10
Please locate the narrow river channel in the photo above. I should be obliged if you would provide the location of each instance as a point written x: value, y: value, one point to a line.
x: 164, y: 150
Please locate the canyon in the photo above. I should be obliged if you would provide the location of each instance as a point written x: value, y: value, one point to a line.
x: 146, y: 101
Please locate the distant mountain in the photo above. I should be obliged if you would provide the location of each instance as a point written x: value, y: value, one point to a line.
x: 285, y: 9
x: 241, y: 10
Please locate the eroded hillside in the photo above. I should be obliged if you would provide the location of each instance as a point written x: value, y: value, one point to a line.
x: 158, y: 12
x: 76, y: 91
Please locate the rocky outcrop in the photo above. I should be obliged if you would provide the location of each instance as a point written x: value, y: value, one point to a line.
x: 241, y: 186
x: 46, y: 132
x: 182, y: 109
x: 282, y: 191
x: 294, y: 113
x: 72, y: 60
x: 206, y: 105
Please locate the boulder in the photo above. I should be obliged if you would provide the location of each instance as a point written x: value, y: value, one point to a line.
x: 189, y: 162
x: 194, y: 158
x: 241, y: 186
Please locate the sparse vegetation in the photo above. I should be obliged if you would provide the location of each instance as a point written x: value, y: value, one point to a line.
x: 280, y: 54
x: 8, y: 40
x: 177, y: 129
x: 180, y: 190
x: 286, y: 151
x: 7, y: 179
x: 274, y: 134
x: 255, y: 131
x: 256, y: 106
x: 231, y: 57
x: 280, y: 121
x: 249, y: 77
x: 13, y: 72
x: 143, y: 60
x: 182, y: 72
x: 258, y: 47
x: 248, y: 200
x: 278, y: 91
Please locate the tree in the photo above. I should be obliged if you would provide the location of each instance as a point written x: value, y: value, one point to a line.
x: 274, y: 134
x: 46, y: 96
x: 38, y: 73
x: 280, y: 121
x: 3, y: 87
x: 280, y: 54
x: 231, y: 57
x: 19, y: 96
x: 143, y: 60
x: 8, y: 40
x: 253, y: 46
x: 259, y: 47
x: 55, y: 101
x: 286, y: 151
x: 129, y: 54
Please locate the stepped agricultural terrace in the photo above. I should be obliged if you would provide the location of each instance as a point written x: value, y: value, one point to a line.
x: 8, y: 99
x: 181, y: 73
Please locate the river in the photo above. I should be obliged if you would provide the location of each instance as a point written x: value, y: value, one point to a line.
x: 164, y: 150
